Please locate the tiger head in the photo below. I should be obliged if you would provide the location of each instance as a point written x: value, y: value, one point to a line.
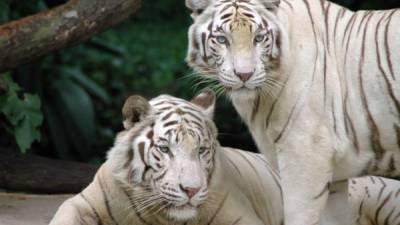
x: 165, y: 156
x: 235, y: 42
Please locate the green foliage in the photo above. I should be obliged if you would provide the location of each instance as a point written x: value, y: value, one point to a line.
x: 24, y: 114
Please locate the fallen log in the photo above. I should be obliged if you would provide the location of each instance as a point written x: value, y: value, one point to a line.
x: 35, y: 174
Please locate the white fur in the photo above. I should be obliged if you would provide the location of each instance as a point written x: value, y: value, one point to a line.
x: 321, y: 126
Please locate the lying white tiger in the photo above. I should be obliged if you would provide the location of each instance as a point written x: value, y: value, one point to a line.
x: 168, y: 168
x: 317, y: 84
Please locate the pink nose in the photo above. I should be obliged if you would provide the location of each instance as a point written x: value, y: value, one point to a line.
x: 190, y: 192
x: 243, y: 76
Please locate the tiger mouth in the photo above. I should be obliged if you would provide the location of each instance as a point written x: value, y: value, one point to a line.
x: 243, y: 88
x: 187, y: 205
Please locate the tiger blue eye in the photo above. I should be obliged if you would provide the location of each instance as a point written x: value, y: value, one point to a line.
x: 202, y: 150
x: 221, y: 39
x: 164, y: 149
x: 259, y: 38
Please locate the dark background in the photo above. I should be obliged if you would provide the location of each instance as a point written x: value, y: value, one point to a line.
x: 83, y: 88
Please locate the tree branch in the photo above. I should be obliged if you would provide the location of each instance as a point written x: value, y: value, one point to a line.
x: 29, y: 38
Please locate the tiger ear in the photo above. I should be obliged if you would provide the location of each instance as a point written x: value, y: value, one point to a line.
x: 197, y: 6
x: 271, y: 4
x: 135, y: 109
x: 206, y: 101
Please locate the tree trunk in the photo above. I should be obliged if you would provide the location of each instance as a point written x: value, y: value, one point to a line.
x: 29, y: 38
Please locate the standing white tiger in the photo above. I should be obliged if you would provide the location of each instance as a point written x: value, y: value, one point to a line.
x: 316, y: 83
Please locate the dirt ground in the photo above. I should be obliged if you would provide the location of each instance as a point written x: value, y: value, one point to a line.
x: 26, y: 209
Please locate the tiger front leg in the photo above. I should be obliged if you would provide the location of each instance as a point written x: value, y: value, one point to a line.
x: 306, y: 172
x: 73, y: 212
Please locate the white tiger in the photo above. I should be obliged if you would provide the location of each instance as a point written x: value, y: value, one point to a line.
x: 316, y: 83
x: 167, y: 167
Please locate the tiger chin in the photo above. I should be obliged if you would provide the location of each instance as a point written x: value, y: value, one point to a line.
x: 167, y: 167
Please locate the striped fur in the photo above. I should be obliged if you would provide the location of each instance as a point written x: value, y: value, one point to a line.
x: 321, y: 89
x: 127, y: 188
x: 376, y: 200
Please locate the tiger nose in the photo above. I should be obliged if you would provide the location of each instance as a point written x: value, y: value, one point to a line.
x: 190, y: 191
x: 244, y: 76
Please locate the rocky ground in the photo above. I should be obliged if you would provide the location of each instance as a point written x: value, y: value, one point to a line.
x: 27, y: 209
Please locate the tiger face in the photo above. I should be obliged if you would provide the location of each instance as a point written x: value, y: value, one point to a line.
x: 170, y: 156
x: 234, y: 42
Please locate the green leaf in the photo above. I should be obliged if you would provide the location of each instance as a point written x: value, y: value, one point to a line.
x: 4, y: 11
x: 24, y: 114
x: 77, y: 114
x: 26, y: 134
x: 12, y: 87
x: 13, y: 109
x: 27, y: 130
x: 92, y: 87
x: 57, y: 131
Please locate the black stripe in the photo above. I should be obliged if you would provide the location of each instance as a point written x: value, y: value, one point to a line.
x: 388, y: 84
x: 161, y: 176
x: 372, y: 179
x: 226, y: 16
x: 397, y: 129
x: 193, y: 115
x: 256, y: 106
x: 360, y: 208
x: 133, y: 204
x: 375, y: 134
x: 350, y: 23
x: 336, y: 23
x: 334, y: 118
x: 268, y: 166
x: 237, y: 221
x: 167, y: 116
x: 129, y: 158
x: 324, y: 190
x: 353, y: 130
x: 327, y: 25
x: 195, y: 42
x: 315, y: 37
x: 289, y: 4
x: 141, y: 146
x: 234, y: 166
x: 365, y: 15
x: 353, y: 19
x: 378, y: 211
x: 171, y: 123
x: 99, y: 222
x: 106, y: 202
x: 218, y: 209
x: 388, y: 217
x: 382, y: 189
x: 203, y: 42
x: 286, y: 124
x: 273, y: 105
x: 388, y: 50
x: 396, y: 217
x: 256, y: 172
x: 397, y: 193
x: 391, y: 166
